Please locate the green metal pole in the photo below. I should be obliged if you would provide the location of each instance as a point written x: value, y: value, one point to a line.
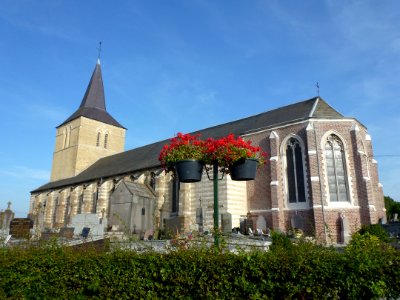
x: 216, y: 212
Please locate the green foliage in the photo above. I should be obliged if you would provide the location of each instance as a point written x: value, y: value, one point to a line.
x: 367, y: 269
x: 280, y: 241
x: 375, y: 230
x: 370, y: 258
x: 391, y: 206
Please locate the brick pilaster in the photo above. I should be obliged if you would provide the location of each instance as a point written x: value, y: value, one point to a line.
x: 365, y: 195
x: 315, y: 170
x: 277, y: 206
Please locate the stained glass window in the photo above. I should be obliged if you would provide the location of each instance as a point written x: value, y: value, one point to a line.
x: 295, y: 172
x: 336, y: 169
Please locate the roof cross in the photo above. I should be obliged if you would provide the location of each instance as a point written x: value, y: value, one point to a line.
x: 317, y: 85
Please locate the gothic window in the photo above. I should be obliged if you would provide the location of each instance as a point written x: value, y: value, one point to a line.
x: 336, y: 169
x: 98, y: 139
x: 105, y: 140
x: 175, y: 195
x: 295, y: 172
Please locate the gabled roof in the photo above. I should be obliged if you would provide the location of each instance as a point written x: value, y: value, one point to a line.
x: 138, y: 189
x: 93, y: 105
x: 146, y: 157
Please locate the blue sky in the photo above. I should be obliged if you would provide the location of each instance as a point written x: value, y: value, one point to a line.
x: 171, y: 66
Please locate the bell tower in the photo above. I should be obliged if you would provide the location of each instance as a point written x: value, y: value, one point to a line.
x: 89, y: 134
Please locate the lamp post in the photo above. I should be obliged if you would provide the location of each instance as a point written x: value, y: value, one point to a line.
x: 186, y: 155
x: 215, y: 180
x: 243, y: 171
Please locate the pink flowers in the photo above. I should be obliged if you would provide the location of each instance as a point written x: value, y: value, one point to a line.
x: 226, y: 151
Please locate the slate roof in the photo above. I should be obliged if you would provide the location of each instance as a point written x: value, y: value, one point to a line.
x: 93, y: 105
x: 139, y: 189
x: 146, y: 157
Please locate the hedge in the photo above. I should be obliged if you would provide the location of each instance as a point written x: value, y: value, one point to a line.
x: 367, y: 268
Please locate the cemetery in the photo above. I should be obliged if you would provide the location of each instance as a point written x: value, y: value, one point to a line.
x: 88, y: 259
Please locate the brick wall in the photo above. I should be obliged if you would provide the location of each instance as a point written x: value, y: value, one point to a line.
x: 266, y: 199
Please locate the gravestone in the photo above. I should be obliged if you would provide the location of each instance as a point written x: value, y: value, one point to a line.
x: 345, y: 230
x: 297, y: 222
x: 91, y: 221
x: 85, y: 232
x: 67, y: 232
x: 245, y: 224
x: 5, y: 219
x: 199, y: 216
x: 261, y: 223
x: 226, y: 223
x: 20, y: 227
x: 175, y: 224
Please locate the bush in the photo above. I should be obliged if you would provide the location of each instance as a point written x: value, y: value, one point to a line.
x: 367, y: 269
x: 376, y: 230
x: 370, y: 263
x: 280, y: 241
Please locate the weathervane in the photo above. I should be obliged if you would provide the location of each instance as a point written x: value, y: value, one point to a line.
x: 99, y: 49
x: 317, y: 85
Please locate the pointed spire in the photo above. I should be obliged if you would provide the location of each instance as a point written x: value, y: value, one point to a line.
x: 93, y: 105
x: 94, y: 96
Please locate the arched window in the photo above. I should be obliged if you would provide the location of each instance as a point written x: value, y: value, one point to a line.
x: 105, y: 140
x: 336, y: 169
x: 295, y: 172
x: 98, y: 139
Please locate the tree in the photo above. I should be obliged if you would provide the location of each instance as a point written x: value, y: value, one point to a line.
x: 392, y: 207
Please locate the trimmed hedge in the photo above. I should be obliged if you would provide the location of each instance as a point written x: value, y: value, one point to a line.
x: 366, y: 269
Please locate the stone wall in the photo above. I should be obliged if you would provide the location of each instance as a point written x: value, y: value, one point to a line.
x: 77, y: 146
x: 263, y: 200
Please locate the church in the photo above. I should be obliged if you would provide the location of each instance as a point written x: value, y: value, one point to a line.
x: 321, y: 176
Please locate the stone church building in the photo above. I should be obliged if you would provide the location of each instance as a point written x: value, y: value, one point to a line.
x: 320, y: 170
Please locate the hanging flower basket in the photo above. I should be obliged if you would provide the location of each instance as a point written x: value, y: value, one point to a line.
x: 189, y: 170
x: 244, y: 169
x: 235, y: 155
x: 181, y: 148
x: 186, y: 155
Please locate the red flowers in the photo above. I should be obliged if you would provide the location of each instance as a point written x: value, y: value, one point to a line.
x: 226, y: 151
x: 183, y: 146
